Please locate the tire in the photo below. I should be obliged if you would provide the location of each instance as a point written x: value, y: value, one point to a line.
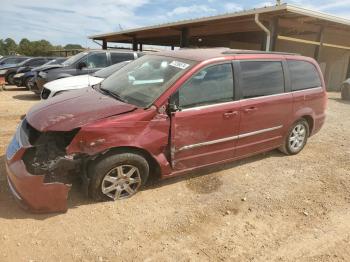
x: 9, y: 79
x: 112, y: 177
x: 26, y: 82
x: 345, y: 92
x: 296, y: 138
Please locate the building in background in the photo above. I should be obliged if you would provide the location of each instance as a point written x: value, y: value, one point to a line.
x: 285, y: 27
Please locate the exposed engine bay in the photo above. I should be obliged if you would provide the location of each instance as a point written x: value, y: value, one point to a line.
x: 47, y: 154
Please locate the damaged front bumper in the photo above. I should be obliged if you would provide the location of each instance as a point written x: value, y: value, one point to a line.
x: 32, y: 192
x: 35, y: 192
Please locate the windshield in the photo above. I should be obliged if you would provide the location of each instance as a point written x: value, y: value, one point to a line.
x: 142, y: 81
x: 106, y: 72
x: 23, y: 62
x: 74, y: 59
x: 14, y: 60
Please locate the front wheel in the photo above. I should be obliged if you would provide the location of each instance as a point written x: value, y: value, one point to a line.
x: 117, y: 176
x: 9, y: 79
x: 296, y: 138
x: 28, y: 82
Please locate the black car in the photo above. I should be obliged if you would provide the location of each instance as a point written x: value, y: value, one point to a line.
x: 11, y: 60
x: 81, y: 64
x: 10, y: 71
x: 24, y: 74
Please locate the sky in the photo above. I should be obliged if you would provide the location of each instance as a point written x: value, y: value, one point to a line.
x: 71, y: 21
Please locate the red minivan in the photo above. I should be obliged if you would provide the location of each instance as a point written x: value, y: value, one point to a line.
x: 164, y: 114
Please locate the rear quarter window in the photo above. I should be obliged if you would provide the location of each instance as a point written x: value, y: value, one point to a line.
x: 303, y: 75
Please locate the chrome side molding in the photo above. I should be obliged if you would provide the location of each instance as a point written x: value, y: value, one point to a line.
x: 226, y: 139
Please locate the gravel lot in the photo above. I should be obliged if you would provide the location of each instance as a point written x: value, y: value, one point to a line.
x: 265, y: 208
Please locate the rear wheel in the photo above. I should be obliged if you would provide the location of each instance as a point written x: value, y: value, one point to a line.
x: 117, y: 176
x: 296, y: 138
x: 345, y: 92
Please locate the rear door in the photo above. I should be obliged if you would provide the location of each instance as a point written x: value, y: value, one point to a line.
x: 266, y: 105
x: 206, y: 127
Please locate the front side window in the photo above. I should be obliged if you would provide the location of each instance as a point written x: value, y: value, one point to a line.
x: 211, y: 85
x: 143, y: 80
x: 261, y: 78
x: 96, y: 60
x: 303, y: 75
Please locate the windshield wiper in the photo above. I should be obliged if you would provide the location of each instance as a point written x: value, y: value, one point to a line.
x: 110, y: 93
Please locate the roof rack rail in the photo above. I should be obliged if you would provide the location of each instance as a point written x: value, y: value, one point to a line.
x: 233, y: 52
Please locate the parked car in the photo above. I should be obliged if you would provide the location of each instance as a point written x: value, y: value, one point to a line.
x: 164, y: 114
x: 10, y: 71
x: 25, y: 75
x: 18, y: 78
x: 83, y: 63
x: 11, y: 60
x: 59, y: 86
x: 345, y: 90
x: 31, y: 84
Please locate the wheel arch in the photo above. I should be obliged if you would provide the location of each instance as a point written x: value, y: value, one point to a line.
x: 310, y: 121
x: 153, y: 163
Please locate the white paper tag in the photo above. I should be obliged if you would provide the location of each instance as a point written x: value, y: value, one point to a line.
x: 179, y: 64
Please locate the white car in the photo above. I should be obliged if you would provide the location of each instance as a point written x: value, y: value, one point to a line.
x: 59, y: 86
x: 345, y: 90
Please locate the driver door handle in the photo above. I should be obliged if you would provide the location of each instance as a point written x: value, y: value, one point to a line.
x: 230, y: 114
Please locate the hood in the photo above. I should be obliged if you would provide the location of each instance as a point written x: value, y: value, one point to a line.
x: 8, y: 66
x: 74, y: 109
x: 73, y: 82
x: 23, y: 69
x: 46, y: 67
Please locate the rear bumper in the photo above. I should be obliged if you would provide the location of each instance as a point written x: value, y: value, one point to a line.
x: 31, y: 191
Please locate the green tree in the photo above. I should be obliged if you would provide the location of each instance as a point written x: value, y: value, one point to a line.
x: 72, y: 46
x: 2, y: 48
x: 10, y: 46
x: 25, y: 47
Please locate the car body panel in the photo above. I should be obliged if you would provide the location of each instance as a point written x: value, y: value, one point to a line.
x: 71, y: 83
x: 79, y: 107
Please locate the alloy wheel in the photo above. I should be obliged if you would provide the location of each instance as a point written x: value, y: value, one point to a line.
x: 121, y: 182
x: 297, y: 137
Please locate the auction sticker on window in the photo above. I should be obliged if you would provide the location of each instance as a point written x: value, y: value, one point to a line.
x: 179, y: 64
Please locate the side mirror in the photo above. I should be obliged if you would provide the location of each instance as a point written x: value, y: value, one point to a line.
x: 81, y: 65
x: 173, y: 103
x: 173, y: 108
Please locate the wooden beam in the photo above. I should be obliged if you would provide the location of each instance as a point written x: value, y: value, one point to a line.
x: 274, y: 33
x: 184, y: 37
x: 303, y: 41
x: 104, y: 44
x: 134, y: 44
x: 318, y: 47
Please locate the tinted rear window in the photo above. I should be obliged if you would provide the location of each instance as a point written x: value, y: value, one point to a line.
x: 120, y: 57
x: 261, y: 78
x: 303, y: 75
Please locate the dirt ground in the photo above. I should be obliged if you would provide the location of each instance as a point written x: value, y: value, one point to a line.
x: 265, y: 208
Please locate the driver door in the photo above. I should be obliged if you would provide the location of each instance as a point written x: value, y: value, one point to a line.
x: 205, y: 128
